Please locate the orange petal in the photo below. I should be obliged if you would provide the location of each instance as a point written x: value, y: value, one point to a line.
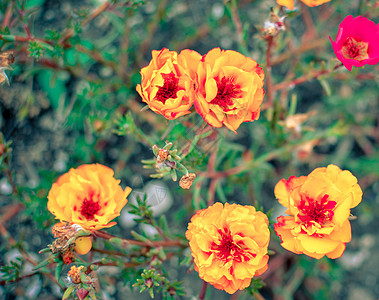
x: 337, y: 252
x: 342, y: 233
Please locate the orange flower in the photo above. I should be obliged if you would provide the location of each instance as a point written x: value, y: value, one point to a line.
x: 318, y: 207
x: 167, y: 83
x: 229, y: 245
x: 230, y: 89
x: 88, y: 196
x: 290, y: 3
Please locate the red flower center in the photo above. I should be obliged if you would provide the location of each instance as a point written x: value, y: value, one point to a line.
x: 226, y: 249
x: 355, y: 49
x: 226, y: 92
x: 319, y: 211
x: 169, y: 88
x: 89, y: 208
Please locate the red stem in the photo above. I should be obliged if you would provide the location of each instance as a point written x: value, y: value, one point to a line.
x: 203, y: 290
x: 304, y: 78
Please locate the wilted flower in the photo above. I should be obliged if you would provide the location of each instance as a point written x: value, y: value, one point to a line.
x: 357, y: 42
x: 187, y: 180
x: 167, y: 83
x: 6, y: 59
x: 66, y: 235
x: 318, y: 206
x: 290, y: 3
x: 229, y: 245
x: 273, y: 25
x: 230, y: 89
x: 88, y: 196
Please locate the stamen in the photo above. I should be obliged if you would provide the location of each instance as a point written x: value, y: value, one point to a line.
x: 169, y: 88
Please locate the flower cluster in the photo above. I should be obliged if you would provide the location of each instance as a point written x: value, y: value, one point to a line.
x: 225, y: 87
x: 357, y: 42
x: 229, y: 245
x: 88, y: 196
x: 318, y: 208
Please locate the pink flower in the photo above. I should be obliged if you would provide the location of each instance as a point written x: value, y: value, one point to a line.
x: 357, y: 42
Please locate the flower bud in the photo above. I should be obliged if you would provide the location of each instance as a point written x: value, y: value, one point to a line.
x: 83, y: 245
x: 149, y: 282
x: 81, y: 293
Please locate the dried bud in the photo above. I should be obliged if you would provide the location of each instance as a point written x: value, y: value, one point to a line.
x: 304, y: 151
x: 64, y: 235
x: 294, y: 122
x: 75, y: 274
x: 187, y: 180
x: 273, y: 25
x: 61, y: 230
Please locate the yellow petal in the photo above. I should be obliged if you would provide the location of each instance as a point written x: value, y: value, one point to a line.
x: 317, y: 245
x: 342, y: 233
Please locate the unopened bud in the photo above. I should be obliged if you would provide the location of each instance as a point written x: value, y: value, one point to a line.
x: 83, y: 245
x: 2, y: 149
x: 171, y: 291
x: 149, y: 282
x: 163, y: 154
x: 81, y: 293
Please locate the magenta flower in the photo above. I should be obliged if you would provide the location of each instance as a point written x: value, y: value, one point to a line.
x: 357, y: 42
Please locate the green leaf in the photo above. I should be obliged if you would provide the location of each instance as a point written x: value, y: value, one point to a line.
x: 173, y: 174
x: 139, y: 237
x: 68, y: 292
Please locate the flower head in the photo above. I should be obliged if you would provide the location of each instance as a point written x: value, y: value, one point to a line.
x: 230, y: 89
x: 167, y: 83
x: 357, y: 42
x: 88, y: 196
x: 290, y: 3
x: 318, y: 206
x: 75, y: 274
x: 229, y: 245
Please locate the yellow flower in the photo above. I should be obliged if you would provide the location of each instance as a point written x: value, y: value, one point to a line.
x: 230, y: 89
x: 229, y: 245
x: 88, y: 196
x: 318, y: 206
x: 167, y: 83
x: 290, y: 3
